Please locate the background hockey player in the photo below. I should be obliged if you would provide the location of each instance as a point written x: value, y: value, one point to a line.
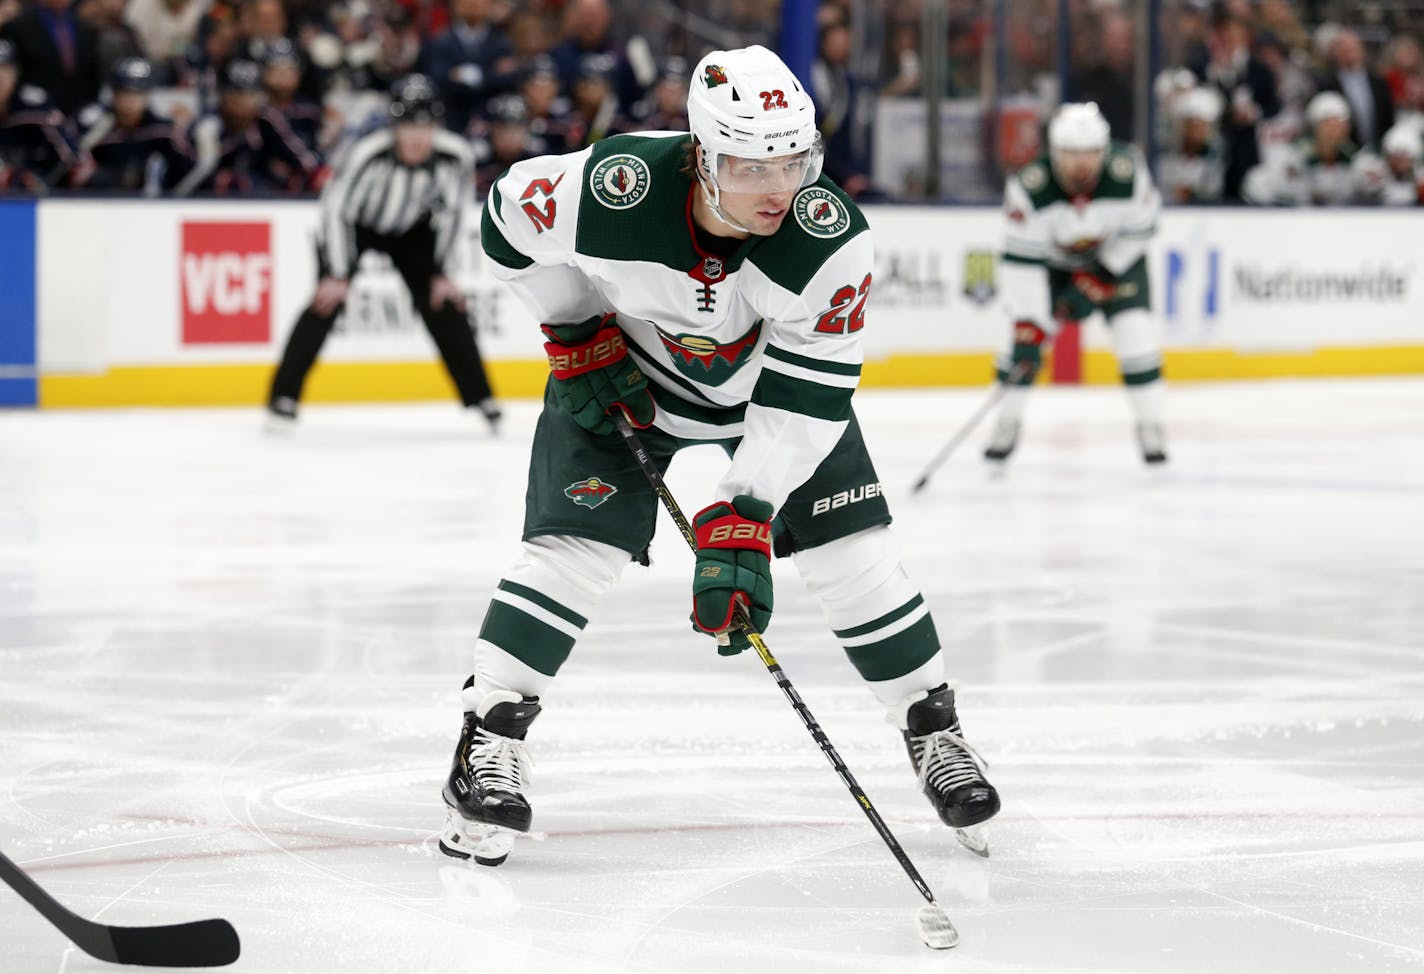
x: 133, y: 148
x: 1323, y: 168
x: 1403, y: 179
x: 712, y: 291
x: 1195, y: 170
x: 1077, y: 226
x: 403, y: 191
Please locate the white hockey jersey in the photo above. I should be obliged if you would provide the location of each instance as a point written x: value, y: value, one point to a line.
x: 763, y: 343
x: 1047, y: 228
x: 1296, y: 175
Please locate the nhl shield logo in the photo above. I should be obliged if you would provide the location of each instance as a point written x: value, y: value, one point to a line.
x: 619, y: 182
x: 979, y: 276
x: 820, y: 212
x: 712, y: 268
x: 590, y: 493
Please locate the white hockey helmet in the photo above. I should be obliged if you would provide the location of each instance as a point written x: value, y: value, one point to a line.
x: 746, y: 104
x: 1078, y: 127
x: 1201, y: 104
x: 1403, y: 140
x: 1327, y: 104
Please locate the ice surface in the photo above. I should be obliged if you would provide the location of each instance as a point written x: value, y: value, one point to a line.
x: 229, y: 674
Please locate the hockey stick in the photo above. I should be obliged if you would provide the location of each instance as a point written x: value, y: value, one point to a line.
x: 933, y: 923
x: 202, y: 943
x: 1000, y: 389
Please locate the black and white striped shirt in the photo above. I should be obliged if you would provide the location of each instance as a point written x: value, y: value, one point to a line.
x: 375, y: 191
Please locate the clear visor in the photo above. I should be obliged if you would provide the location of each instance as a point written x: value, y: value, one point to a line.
x: 776, y: 174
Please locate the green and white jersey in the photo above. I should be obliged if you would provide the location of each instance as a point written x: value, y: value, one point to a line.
x: 1045, y: 227
x: 762, y: 343
x: 1297, y: 175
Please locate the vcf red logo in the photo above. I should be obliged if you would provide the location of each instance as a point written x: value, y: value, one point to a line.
x: 225, y: 272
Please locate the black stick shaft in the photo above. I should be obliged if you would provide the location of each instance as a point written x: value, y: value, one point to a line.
x: 1000, y: 389
x: 655, y: 479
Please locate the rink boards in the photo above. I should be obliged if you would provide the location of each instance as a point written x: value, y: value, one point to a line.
x: 111, y: 302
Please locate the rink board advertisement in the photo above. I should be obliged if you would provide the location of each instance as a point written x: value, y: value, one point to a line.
x: 150, y: 302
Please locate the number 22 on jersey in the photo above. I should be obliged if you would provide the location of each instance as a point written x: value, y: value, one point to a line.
x: 836, y: 321
x: 541, y: 217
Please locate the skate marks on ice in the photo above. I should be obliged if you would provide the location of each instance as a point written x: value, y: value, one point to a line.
x: 1199, y: 692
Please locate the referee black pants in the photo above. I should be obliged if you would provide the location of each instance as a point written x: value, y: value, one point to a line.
x: 413, y: 254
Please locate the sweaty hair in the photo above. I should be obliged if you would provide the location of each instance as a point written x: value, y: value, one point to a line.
x: 689, y: 158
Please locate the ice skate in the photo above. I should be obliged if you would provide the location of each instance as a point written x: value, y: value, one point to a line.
x: 281, y: 416
x: 485, y: 790
x: 950, y: 771
x: 489, y: 409
x: 1153, y: 443
x: 1003, y: 441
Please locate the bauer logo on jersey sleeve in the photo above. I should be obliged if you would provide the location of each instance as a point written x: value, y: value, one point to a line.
x: 820, y: 212
x: 619, y: 182
x: 590, y: 493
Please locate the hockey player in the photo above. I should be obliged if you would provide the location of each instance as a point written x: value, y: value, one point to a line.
x: 1403, y: 179
x: 1195, y: 170
x: 713, y: 290
x: 133, y: 147
x: 38, y: 148
x: 1324, y: 169
x: 1078, y: 222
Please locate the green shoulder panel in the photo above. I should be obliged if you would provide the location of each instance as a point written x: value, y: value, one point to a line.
x: 1119, y: 173
x: 1039, y: 184
x: 822, y: 219
x: 634, y: 201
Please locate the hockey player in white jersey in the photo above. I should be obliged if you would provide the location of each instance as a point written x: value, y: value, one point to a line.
x: 1323, y: 168
x: 713, y: 289
x: 1077, y: 226
x: 1402, y: 181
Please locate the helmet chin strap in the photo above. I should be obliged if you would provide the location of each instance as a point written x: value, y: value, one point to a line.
x: 712, y: 193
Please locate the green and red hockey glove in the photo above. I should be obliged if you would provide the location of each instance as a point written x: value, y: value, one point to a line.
x: 1028, y: 343
x: 733, y: 566
x: 1094, y: 285
x: 593, y: 374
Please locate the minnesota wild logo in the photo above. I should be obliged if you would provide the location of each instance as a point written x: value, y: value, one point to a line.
x: 707, y: 362
x: 590, y: 493
x: 715, y: 76
x: 820, y: 212
x: 619, y: 182
x: 979, y: 276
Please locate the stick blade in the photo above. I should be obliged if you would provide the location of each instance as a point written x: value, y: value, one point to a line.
x: 202, y: 943
x: 934, y: 927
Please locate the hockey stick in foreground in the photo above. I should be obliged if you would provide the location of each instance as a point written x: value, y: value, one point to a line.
x: 202, y: 943
x: 933, y: 923
x: 1000, y: 389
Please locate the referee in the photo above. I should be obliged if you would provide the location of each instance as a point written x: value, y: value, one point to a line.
x: 400, y: 190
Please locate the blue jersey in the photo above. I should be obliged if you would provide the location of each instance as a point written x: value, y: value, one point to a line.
x: 265, y: 156
x: 38, y: 148
x: 145, y: 157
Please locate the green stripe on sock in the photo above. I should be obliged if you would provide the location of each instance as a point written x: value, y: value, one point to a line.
x: 1141, y: 378
x: 543, y: 602
x: 883, y: 621
x: 896, y: 655
x: 534, y: 643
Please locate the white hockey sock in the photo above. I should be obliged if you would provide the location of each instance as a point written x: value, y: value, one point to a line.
x: 538, y: 611
x: 1011, y: 407
x: 876, y: 612
x: 1148, y: 402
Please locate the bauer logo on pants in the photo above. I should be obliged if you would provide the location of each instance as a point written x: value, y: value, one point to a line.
x: 225, y: 283
x: 590, y: 493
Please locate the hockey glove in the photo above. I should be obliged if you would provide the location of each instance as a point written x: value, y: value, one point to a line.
x: 1095, y: 285
x: 733, y: 566
x: 594, y: 375
x: 1028, y: 344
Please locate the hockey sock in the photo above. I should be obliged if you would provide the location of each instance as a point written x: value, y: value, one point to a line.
x: 876, y: 612
x: 1147, y: 400
x: 539, y: 609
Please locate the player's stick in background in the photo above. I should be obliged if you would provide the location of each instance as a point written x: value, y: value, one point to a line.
x: 202, y: 943
x: 1000, y: 388
x: 933, y: 923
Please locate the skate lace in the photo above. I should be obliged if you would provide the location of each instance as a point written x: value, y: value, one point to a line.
x: 947, y: 761
x: 499, y: 763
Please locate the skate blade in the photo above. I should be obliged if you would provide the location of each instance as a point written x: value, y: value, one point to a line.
x: 975, y: 838
x: 934, y: 927
x: 487, y: 845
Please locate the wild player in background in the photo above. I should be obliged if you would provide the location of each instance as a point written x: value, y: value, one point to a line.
x: 712, y: 289
x: 1077, y: 226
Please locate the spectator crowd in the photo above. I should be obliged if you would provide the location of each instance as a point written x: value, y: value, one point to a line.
x: 199, y: 97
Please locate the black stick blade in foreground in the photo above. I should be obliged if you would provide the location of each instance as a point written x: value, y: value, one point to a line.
x: 202, y: 943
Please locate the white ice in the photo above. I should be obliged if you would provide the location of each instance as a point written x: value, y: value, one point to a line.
x: 229, y: 668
